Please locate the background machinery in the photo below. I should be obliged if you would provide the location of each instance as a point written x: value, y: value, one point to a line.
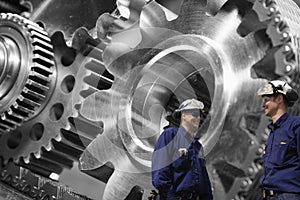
x: 86, y: 87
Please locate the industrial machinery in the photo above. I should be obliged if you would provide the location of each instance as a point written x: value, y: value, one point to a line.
x: 86, y: 87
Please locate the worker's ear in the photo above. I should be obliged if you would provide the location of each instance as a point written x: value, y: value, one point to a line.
x: 280, y: 98
x: 183, y: 115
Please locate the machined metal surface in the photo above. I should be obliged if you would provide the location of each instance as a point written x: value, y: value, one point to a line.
x: 117, y: 76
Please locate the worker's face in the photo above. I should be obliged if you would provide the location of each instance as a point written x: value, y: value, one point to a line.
x: 270, y: 105
x: 192, y: 118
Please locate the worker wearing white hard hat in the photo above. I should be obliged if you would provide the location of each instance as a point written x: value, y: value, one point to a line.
x: 281, y: 177
x: 178, y: 163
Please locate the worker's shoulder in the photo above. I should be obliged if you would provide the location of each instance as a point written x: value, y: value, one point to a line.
x: 166, y: 137
x: 169, y: 132
x: 295, y: 119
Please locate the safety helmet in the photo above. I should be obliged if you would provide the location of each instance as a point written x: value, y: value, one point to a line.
x: 281, y: 87
x: 188, y: 104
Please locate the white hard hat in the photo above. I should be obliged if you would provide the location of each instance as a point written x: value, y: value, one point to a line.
x: 278, y: 86
x: 273, y: 87
x: 188, y: 104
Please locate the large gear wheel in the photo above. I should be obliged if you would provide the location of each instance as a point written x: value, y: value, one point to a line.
x: 54, y: 135
x: 213, y: 57
x: 27, y: 59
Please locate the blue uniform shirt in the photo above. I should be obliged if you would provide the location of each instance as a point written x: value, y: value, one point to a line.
x: 172, y: 174
x: 282, y: 156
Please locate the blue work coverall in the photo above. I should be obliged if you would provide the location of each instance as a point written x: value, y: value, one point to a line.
x: 174, y: 176
x: 282, y: 157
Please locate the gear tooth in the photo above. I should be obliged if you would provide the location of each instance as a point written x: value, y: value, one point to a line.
x: 57, y: 158
x: 285, y: 59
x: 5, y: 125
x: 39, y: 82
x: 42, y: 166
x: 155, y: 12
x: 48, y: 147
x: 28, y: 100
x: 279, y: 32
x: 71, y: 152
x: 262, y: 9
x: 58, y: 138
x: 37, y: 31
x: 13, y: 112
x: 102, y: 173
x: 21, y: 107
x: 44, y: 43
x: 98, y: 78
x: 26, y: 159
x: 213, y: 6
x: 11, y: 119
x: 42, y: 71
x: 37, y: 155
x: 33, y: 93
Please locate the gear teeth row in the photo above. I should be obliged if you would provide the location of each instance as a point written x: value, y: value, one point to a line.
x: 72, y: 139
x: 36, y: 87
x: 63, y: 150
x: 283, y: 29
x: 94, y: 74
x: 99, y: 78
x: 282, y: 16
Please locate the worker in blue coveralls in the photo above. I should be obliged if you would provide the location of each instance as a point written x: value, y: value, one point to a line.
x: 281, y: 178
x: 178, y: 163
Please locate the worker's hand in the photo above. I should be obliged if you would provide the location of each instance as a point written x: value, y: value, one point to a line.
x: 183, y: 152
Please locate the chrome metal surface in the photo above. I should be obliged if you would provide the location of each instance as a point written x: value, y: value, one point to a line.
x: 120, y: 71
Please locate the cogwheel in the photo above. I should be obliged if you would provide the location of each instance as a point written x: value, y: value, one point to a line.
x: 27, y: 60
x: 168, y: 60
x: 283, y: 29
x: 55, y: 135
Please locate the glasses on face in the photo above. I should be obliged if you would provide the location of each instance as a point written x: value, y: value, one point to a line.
x: 265, y: 99
x: 194, y: 113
